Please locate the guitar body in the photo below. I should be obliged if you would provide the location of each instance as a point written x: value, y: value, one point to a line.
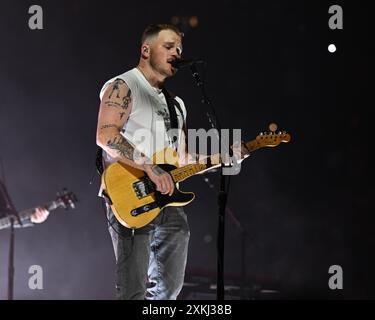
x: 134, y: 200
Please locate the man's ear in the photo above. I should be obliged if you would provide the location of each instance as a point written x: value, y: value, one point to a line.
x: 145, y: 51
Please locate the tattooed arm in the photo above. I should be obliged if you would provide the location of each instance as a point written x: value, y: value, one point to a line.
x: 114, y: 111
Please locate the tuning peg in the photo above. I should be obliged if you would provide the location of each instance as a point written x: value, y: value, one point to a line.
x: 272, y: 126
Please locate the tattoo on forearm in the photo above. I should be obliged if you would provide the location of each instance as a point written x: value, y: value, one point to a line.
x: 105, y: 126
x: 122, y: 146
x: 157, y: 170
x: 116, y: 87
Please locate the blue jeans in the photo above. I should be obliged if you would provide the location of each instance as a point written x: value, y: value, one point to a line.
x: 151, y: 264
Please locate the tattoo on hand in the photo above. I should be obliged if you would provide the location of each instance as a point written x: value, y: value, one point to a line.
x: 123, y: 147
x: 157, y: 170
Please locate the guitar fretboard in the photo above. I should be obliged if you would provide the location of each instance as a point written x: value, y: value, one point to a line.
x: 25, y: 215
x: 185, y: 172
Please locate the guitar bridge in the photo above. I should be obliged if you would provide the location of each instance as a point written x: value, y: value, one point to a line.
x: 143, y: 187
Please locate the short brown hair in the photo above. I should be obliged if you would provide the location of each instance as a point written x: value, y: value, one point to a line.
x: 154, y: 29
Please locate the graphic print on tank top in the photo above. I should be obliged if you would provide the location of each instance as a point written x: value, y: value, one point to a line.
x: 163, y: 114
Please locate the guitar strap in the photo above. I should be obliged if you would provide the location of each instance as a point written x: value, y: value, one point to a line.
x: 172, y: 104
x: 99, y: 161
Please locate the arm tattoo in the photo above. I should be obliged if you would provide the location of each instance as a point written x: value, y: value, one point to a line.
x: 126, y: 100
x: 105, y: 126
x: 157, y: 170
x: 110, y: 103
x: 125, y: 103
x: 116, y: 87
x: 122, y: 146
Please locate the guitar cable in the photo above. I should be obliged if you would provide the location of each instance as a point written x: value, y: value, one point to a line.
x: 112, y: 224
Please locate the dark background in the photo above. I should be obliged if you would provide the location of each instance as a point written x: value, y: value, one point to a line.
x: 305, y: 205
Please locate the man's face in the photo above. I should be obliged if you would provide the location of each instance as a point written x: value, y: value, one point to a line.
x: 164, y: 49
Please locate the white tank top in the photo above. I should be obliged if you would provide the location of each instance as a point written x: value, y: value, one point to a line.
x: 148, y: 123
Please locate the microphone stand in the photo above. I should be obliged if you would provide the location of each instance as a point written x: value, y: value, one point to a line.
x: 243, y: 235
x: 11, y: 261
x: 223, y: 193
x: 13, y: 215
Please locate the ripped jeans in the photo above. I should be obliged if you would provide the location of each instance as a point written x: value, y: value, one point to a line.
x: 151, y: 264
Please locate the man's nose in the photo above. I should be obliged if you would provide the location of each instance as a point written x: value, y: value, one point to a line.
x: 177, y: 53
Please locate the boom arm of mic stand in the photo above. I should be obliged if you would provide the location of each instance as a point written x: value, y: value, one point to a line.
x: 214, y: 121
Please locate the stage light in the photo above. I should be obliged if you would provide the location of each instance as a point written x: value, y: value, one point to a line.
x: 193, y: 21
x: 332, y: 48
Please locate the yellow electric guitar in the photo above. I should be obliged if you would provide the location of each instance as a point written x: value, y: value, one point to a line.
x: 132, y: 194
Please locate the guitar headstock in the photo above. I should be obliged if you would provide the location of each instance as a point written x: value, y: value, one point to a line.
x: 272, y: 139
x: 65, y: 199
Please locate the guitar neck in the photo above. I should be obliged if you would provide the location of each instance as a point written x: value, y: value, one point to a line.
x: 180, y: 174
x: 253, y: 145
x: 25, y: 215
x: 185, y: 172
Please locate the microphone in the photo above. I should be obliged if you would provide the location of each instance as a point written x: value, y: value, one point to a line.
x: 180, y: 63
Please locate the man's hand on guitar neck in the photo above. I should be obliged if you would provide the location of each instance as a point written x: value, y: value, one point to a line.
x: 161, y: 178
x: 240, y: 153
x: 40, y: 215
